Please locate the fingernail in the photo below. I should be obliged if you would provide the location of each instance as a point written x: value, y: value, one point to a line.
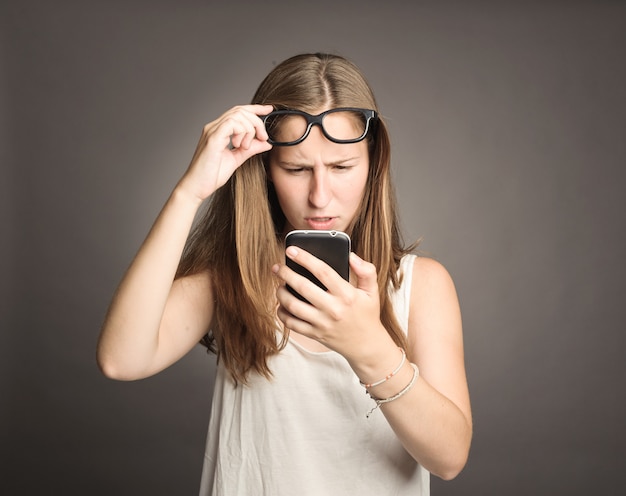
x: 292, y: 251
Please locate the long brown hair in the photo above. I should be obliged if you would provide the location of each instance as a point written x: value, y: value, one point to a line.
x: 239, y: 237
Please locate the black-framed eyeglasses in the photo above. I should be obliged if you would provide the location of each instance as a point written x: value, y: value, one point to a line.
x: 339, y: 125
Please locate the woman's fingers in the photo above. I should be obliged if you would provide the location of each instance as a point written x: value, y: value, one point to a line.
x: 338, y: 318
x: 243, y: 123
x: 225, y: 144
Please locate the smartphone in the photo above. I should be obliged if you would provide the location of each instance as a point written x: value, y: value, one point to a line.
x: 332, y: 247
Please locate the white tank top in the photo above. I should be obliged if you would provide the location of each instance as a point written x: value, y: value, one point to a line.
x: 305, y: 432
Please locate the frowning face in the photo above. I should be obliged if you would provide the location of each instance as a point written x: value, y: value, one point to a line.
x: 320, y: 183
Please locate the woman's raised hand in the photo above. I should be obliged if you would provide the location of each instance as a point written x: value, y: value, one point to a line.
x: 225, y: 144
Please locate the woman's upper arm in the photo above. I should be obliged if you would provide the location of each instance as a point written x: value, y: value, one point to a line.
x: 435, y: 332
x: 186, y: 319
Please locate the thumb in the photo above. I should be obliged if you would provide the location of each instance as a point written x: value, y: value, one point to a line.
x: 365, y: 273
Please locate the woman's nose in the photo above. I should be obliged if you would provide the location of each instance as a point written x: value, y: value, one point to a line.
x: 320, y: 191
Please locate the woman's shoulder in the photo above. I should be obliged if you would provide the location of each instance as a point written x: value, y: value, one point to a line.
x: 431, y: 281
x: 426, y: 266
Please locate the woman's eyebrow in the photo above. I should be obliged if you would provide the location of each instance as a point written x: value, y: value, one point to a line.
x: 292, y: 163
x: 342, y: 161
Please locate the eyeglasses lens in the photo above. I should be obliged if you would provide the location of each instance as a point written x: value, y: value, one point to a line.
x: 286, y: 128
x: 344, y: 125
x: 341, y: 125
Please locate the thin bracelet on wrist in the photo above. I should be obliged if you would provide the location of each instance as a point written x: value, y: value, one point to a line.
x: 387, y: 377
x: 406, y: 389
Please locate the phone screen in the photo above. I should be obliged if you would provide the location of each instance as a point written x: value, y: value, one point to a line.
x: 332, y: 247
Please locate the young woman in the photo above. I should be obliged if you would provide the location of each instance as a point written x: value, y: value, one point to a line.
x: 361, y: 389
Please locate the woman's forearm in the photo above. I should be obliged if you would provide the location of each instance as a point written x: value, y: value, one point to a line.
x: 431, y: 427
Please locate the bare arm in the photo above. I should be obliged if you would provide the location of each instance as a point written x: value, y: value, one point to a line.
x: 140, y: 335
x: 153, y: 320
x: 433, y: 420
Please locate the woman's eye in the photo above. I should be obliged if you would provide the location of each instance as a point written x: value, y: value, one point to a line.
x: 298, y: 170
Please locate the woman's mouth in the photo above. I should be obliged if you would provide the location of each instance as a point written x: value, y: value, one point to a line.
x: 320, y: 223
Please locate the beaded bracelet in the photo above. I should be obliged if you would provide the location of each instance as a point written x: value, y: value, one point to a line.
x: 395, y: 396
x: 386, y: 378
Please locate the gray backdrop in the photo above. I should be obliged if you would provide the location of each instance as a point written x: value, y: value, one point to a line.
x: 508, y: 122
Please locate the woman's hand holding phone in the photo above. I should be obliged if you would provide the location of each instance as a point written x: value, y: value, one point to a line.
x: 345, y: 318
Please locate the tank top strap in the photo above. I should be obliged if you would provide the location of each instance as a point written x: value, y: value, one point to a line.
x: 401, y: 298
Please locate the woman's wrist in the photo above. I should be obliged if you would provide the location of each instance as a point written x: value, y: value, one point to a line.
x: 186, y: 194
x: 379, y: 360
x: 370, y: 385
x: 395, y: 387
x: 388, y: 399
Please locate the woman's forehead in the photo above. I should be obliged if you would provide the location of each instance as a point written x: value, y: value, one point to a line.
x: 316, y: 148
